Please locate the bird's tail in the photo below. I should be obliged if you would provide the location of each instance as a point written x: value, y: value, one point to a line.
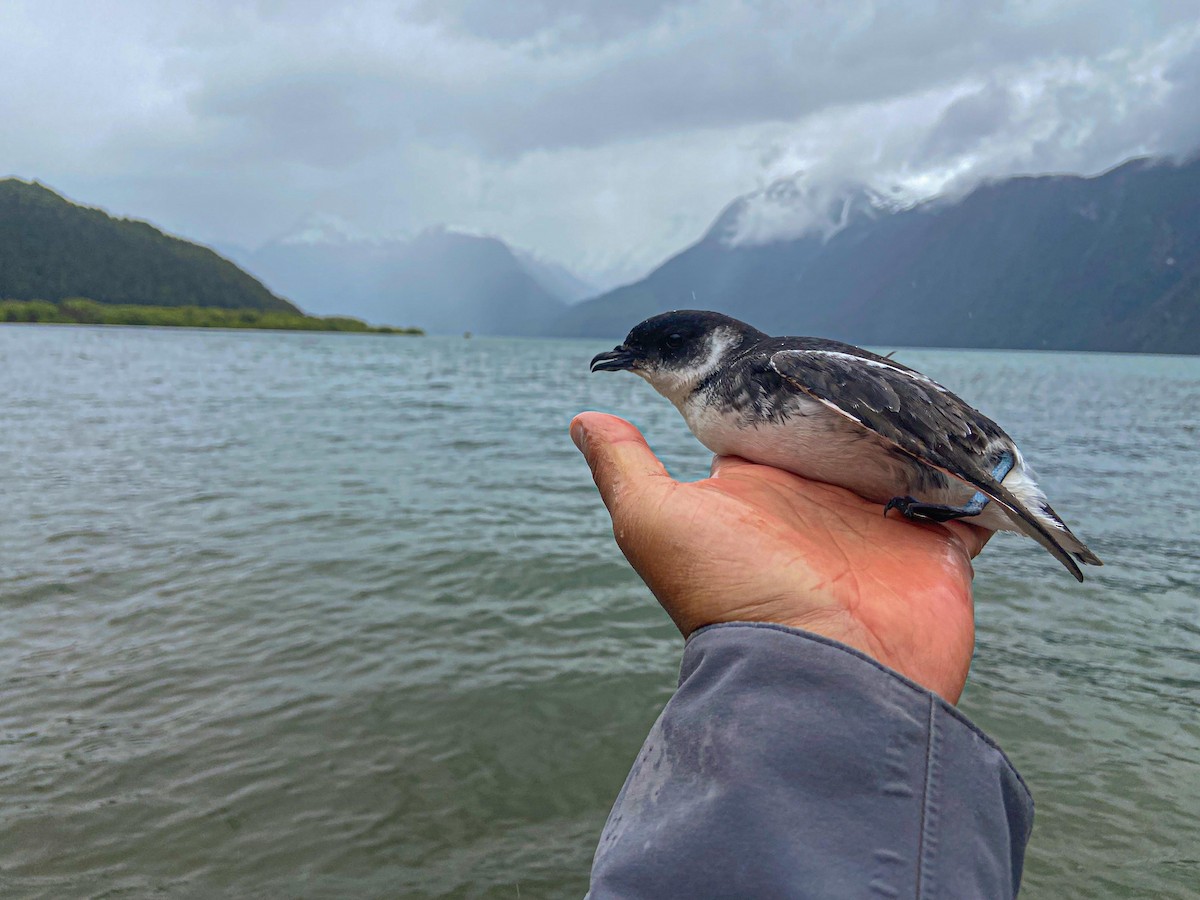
x: 1033, y: 515
x: 1073, y: 545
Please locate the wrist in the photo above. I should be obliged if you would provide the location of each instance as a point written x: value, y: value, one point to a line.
x: 933, y: 668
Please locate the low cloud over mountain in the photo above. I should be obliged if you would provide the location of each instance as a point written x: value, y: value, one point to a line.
x: 1054, y: 262
x: 601, y: 134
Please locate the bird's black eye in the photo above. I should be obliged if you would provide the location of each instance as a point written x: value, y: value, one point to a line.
x: 675, y: 341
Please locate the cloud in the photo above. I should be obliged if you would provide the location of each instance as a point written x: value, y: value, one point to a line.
x: 970, y: 120
x: 604, y: 133
x: 561, y: 21
x: 1054, y: 115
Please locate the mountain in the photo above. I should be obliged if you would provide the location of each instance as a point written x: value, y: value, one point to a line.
x: 443, y: 281
x: 52, y: 249
x: 556, y: 279
x: 1110, y: 262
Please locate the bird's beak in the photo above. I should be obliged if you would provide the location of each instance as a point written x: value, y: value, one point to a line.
x: 618, y: 359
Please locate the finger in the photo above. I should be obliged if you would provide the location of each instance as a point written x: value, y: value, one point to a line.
x: 622, y: 463
x: 972, y: 537
x: 723, y: 465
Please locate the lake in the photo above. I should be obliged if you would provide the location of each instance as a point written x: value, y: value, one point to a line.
x: 307, y: 615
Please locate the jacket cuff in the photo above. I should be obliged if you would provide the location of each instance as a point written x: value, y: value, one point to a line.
x: 790, y: 764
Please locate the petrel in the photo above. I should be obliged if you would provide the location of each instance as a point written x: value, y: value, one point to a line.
x: 836, y: 413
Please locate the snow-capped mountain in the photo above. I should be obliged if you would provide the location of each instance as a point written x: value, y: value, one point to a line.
x: 1110, y: 262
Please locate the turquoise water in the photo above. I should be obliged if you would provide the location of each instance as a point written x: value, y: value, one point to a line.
x: 296, y: 615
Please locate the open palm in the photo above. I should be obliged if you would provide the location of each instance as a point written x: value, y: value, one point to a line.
x: 754, y: 543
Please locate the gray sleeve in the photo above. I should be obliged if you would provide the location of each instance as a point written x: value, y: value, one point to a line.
x: 788, y: 765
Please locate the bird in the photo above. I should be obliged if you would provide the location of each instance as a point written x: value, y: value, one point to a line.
x: 839, y: 414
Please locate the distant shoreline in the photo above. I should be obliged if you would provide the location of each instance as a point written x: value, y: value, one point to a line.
x: 80, y: 311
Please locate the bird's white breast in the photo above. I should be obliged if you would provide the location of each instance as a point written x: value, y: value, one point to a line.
x: 816, y: 443
x: 808, y: 439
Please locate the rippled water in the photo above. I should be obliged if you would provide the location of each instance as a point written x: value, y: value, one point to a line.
x: 341, y: 616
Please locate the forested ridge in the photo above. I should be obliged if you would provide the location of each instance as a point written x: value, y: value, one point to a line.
x: 52, y: 249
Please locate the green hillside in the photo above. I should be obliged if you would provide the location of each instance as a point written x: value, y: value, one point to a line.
x: 79, y: 311
x: 53, y: 249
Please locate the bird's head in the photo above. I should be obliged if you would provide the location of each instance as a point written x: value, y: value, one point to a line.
x: 677, y: 350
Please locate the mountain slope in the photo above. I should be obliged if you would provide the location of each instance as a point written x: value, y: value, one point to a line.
x: 51, y: 249
x: 558, y: 280
x: 1048, y: 262
x: 443, y: 281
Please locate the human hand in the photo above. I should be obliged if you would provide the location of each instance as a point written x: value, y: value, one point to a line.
x: 757, y: 544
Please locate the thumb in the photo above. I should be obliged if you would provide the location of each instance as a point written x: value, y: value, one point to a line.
x: 622, y: 463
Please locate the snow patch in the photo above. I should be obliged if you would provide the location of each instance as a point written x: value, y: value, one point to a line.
x: 790, y: 209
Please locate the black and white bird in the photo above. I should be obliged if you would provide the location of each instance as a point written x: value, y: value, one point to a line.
x: 835, y: 413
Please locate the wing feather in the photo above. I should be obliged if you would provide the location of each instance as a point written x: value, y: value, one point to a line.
x: 919, y: 417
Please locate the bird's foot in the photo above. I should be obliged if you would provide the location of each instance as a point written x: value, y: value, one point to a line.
x: 914, y: 509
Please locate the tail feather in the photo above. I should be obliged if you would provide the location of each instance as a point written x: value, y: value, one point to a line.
x: 1028, y: 524
x: 1031, y: 514
x: 1050, y: 533
x: 1066, y: 537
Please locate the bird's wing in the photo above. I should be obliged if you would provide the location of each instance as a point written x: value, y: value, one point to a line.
x: 918, y: 416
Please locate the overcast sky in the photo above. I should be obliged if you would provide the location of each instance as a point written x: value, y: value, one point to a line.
x: 605, y: 134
